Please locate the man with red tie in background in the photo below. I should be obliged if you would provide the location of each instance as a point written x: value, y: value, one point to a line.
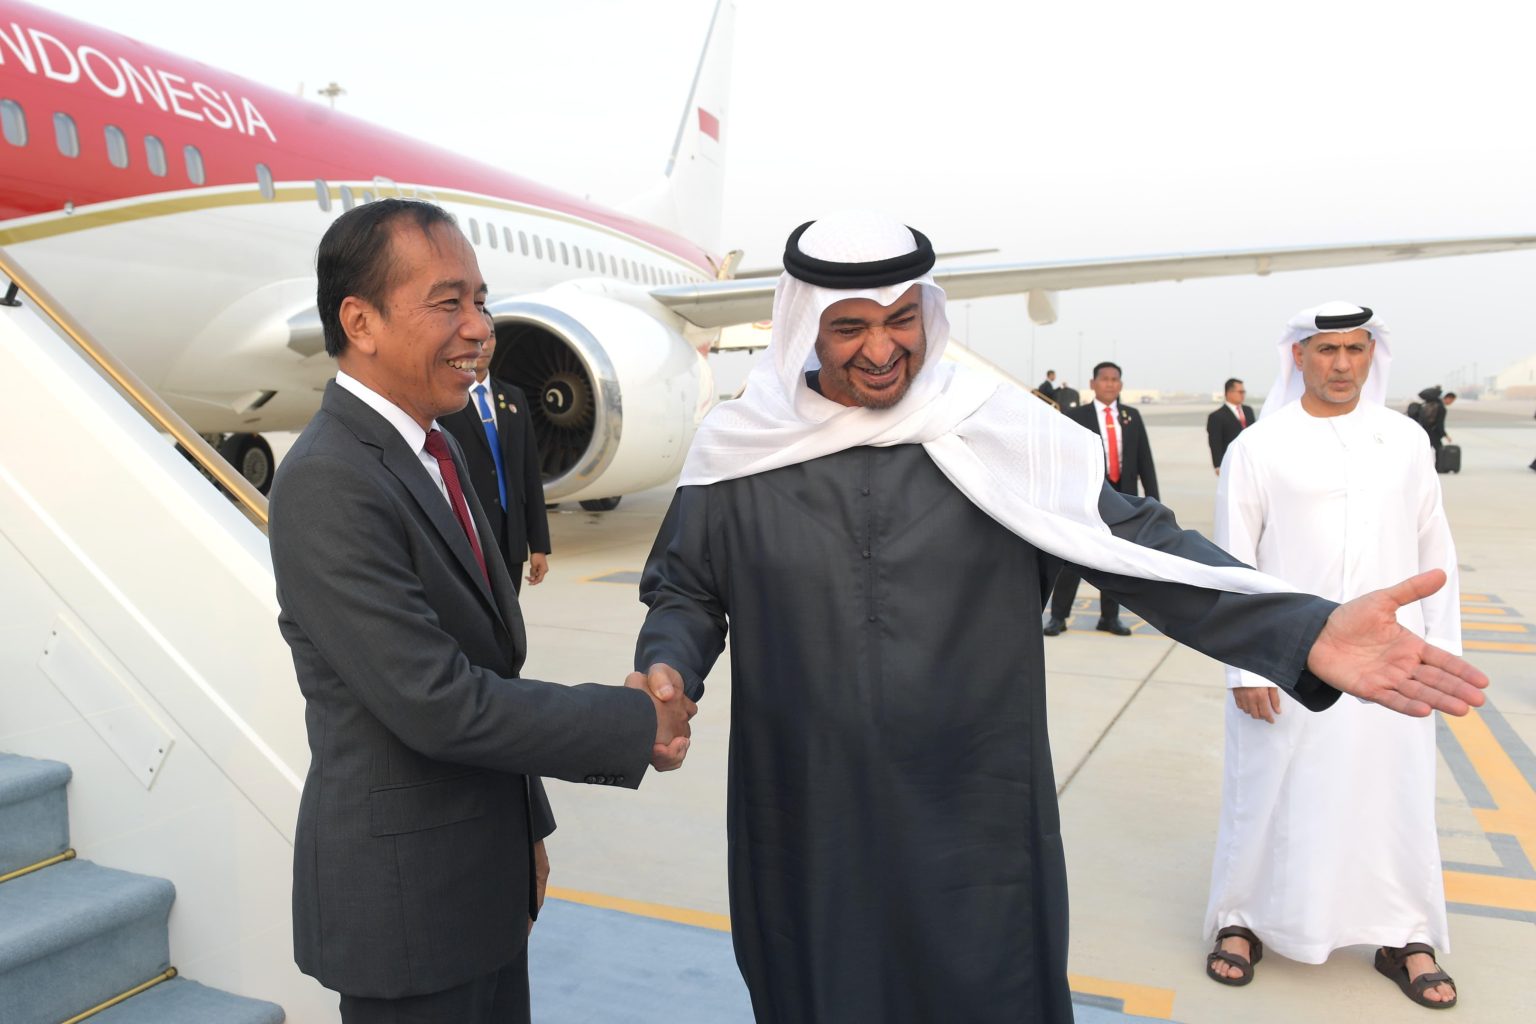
x: 503, y: 459
x: 1223, y: 425
x: 1127, y: 458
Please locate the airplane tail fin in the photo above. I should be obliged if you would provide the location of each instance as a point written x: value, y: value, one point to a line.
x: 689, y: 200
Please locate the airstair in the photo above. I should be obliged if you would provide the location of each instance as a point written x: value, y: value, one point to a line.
x: 149, y: 714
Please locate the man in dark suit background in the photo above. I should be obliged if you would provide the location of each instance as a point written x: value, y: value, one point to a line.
x: 1224, y: 424
x: 505, y: 475
x: 1127, y: 459
x: 418, y: 853
x: 1048, y: 386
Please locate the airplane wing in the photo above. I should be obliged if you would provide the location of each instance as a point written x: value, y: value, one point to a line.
x: 725, y: 303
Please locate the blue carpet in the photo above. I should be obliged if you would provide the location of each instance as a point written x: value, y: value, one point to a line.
x: 592, y: 966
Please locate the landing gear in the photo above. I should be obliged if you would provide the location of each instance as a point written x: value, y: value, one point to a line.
x: 252, y: 458
x: 600, y: 504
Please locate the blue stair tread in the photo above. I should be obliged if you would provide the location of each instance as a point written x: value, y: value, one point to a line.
x: 180, y: 1001
x: 59, y: 906
x: 22, y: 778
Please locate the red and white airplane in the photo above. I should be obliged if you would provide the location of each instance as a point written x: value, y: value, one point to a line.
x: 175, y: 209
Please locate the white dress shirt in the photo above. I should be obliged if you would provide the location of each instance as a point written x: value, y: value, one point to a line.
x: 415, y: 437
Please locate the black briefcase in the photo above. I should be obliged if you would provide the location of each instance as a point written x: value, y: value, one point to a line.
x: 1448, y: 458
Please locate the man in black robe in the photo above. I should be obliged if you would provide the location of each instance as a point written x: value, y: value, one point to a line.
x: 895, y: 848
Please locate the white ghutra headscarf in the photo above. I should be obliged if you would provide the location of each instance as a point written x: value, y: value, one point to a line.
x: 1330, y: 317
x: 1023, y: 463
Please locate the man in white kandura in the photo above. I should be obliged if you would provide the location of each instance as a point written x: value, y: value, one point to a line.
x: 1327, y: 832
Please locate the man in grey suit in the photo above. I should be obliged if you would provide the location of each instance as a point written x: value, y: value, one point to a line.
x: 418, y: 854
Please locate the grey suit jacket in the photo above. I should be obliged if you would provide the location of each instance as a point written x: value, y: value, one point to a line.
x: 412, y: 855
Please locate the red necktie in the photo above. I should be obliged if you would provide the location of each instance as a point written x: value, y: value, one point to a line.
x: 1114, y: 445
x: 438, y: 449
x: 1240, y: 421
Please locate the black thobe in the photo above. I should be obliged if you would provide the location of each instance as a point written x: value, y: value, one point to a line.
x: 895, y: 848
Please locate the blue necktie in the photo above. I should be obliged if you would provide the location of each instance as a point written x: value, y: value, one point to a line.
x: 488, y: 421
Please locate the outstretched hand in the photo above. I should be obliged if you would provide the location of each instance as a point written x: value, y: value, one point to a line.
x: 673, y: 711
x: 1364, y: 651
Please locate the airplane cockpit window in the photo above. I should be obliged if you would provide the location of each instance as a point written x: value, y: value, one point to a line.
x: 474, y: 231
x: 346, y: 197
x: 323, y: 194
x: 66, y: 134
x: 13, y: 122
x: 194, y: 159
x: 154, y: 155
x: 117, y: 146
x: 264, y: 182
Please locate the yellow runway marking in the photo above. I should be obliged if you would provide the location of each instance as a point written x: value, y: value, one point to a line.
x: 1483, y: 609
x: 1138, y: 1000
x: 659, y: 911
x: 1478, y: 598
x: 1497, y: 645
x: 1494, y: 627
x: 1513, y: 813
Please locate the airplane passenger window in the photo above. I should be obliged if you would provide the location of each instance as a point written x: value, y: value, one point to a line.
x: 549, y: 247
x: 323, y: 194
x: 522, y: 242
x: 264, y: 181
x: 490, y: 234
x: 565, y: 257
x: 591, y: 264
x: 506, y: 237
x: 602, y: 263
x: 474, y: 231
x: 66, y: 134
x: 347, y: 202
x: 194, y: 159
x: 577, y: 252
x: 117, y: 146
x: 13, y: 121
x: 154, y: 155
x: 538, y: 247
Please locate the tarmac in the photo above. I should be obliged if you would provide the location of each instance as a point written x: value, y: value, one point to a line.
x: 637, y: 926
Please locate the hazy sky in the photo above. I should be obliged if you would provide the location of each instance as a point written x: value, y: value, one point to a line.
x: 1060, y: 130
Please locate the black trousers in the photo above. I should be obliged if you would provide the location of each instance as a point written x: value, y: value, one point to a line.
x: 1066, y: 592
x: 500, y: 997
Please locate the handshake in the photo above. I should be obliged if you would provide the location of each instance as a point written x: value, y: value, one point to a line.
x: 673, y: 710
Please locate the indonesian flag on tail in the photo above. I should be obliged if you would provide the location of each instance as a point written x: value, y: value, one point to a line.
x: 709, y: 124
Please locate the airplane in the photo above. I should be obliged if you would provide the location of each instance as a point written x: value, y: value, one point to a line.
x: 174, y: 210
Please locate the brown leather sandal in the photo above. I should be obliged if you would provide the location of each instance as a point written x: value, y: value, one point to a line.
x: 1392, y: 962
x: 1255, y: 947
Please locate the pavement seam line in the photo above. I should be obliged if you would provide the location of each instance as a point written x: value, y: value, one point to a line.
x: 1062, y: 789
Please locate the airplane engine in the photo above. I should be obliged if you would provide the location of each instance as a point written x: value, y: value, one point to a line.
x: 615, y: 393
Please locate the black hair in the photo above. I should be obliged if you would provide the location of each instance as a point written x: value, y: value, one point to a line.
x: 356, y: 257
x: 1110, y: 366
x: 1231, y: 383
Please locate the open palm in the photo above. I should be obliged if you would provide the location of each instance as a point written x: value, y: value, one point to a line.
x: 1364, y: 651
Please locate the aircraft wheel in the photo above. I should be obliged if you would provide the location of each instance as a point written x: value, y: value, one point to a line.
x: 252, y: 458
x: 600, y: 504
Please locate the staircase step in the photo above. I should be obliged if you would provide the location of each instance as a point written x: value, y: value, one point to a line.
x: 180, y: 1001
x: 76, y: 934
x: 34, y: 812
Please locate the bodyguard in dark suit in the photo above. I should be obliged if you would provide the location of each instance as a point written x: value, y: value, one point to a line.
x: 1127, y: 459
x: 1223, y: 425
x: 418, y: 854
x: 506, y: 479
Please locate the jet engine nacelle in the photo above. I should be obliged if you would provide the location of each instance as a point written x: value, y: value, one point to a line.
x: 615, y: 392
